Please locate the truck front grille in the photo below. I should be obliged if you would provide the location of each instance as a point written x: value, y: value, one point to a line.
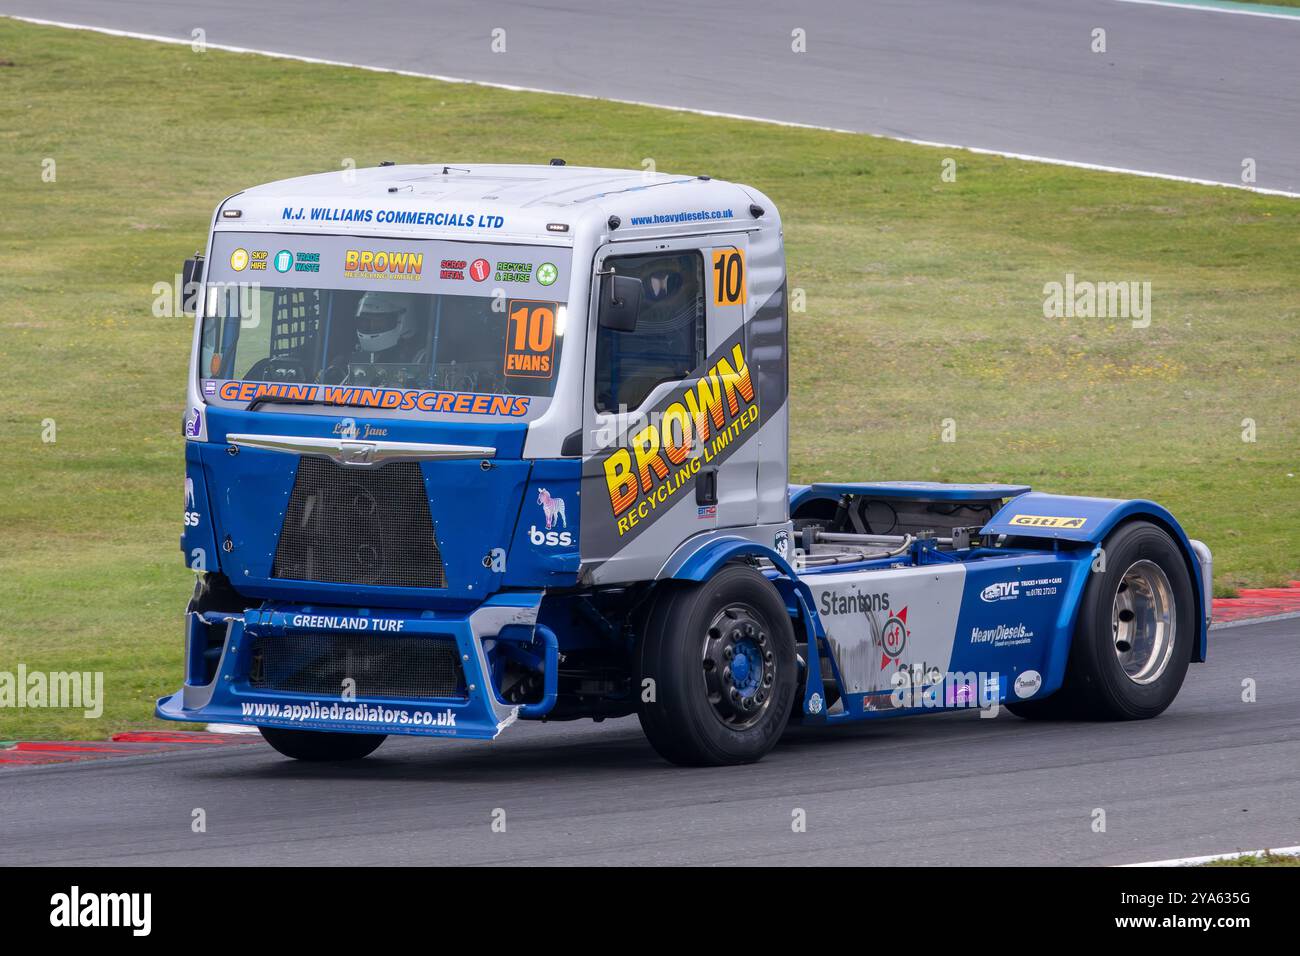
x: 359, y: 526
x: 415, y: 668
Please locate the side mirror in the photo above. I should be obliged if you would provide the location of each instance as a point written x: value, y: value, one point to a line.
x: 191, y: 279
x: 620, y: 301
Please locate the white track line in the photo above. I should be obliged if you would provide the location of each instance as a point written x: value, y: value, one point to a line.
x: 231, y: 729
x: 1242, y: 622
x: 1024, y: 157
x: 1198, y: 860
x: 1233, y: 10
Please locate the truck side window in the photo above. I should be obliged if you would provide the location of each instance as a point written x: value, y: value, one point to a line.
x: 668, y: 341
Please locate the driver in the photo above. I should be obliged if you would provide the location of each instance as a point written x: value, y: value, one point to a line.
x: 385, y: 329
x: 670, y: 302
x: 667, y: 342
x: 386, y: 335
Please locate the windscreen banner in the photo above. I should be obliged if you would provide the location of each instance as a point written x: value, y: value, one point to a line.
x: 405, y: 327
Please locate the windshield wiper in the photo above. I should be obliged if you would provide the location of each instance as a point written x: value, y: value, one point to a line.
x: 280, y: 400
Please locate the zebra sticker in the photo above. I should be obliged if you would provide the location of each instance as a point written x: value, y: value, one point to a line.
x: 553, y: 509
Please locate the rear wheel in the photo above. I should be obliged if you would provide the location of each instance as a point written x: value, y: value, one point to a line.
x: 1133, y: 639
x: 315, y: 745
x: 721, y: 657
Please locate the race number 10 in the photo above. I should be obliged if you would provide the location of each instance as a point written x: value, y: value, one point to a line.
x: 728, y: 277
x: 530, y: 339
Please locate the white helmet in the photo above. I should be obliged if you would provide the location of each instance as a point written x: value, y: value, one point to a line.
x: 384, y: 321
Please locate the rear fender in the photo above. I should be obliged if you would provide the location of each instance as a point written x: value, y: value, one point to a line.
x: 1091, y: 520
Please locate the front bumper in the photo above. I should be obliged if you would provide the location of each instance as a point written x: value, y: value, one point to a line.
x: 475, y: 713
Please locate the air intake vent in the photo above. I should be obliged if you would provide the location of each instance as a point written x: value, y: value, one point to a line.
x: 367, y: 526
x: 415, y: 668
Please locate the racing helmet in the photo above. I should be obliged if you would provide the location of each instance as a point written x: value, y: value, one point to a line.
x: 383, y: 320
x: 670, y: 299
x: 662, y: 279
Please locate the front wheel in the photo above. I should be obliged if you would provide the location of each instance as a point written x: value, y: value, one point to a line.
x: 1133, y: 640
x: 720, y: 660
x: 315, y: 745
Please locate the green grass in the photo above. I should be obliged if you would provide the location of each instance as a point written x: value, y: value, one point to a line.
x: 1258, y: 859
x: 924, y: 302
x: 1270, y: 3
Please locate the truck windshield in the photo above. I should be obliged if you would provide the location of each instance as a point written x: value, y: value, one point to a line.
x: 405, y: 317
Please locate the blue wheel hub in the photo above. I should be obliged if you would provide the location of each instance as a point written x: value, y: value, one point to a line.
x: 746, y: 668
x: 739, y: 667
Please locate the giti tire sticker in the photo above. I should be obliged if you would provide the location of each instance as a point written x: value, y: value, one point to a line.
x: 645, y: 472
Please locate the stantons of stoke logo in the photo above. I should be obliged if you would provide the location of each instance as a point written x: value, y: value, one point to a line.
x: 893, y: 638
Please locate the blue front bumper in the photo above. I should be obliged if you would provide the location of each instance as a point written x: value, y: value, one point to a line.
x: 474, y: 712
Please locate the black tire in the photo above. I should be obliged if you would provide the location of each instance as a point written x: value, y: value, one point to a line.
x: 316, y: 746
x: 684, y: 725
x: 1096, y: 686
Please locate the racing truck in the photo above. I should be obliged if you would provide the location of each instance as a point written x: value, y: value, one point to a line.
x: 469, y: 444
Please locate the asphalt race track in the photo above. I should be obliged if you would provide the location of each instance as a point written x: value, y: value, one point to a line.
x: 1212, y: 775
x: 1182, y: 92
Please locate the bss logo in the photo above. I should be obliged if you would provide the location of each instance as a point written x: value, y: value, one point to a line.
x: 551, y: 538
x: 191, y: 519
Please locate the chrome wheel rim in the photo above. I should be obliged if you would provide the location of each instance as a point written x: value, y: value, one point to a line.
x: 1142, y: 622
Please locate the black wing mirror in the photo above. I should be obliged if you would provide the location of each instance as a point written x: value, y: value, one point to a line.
x: 620, y: 301
x: 191, y: 279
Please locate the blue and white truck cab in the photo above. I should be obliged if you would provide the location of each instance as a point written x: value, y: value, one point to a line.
x: 470, y: 444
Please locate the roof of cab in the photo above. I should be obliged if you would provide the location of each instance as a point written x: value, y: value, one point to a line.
x: 408, y: 199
